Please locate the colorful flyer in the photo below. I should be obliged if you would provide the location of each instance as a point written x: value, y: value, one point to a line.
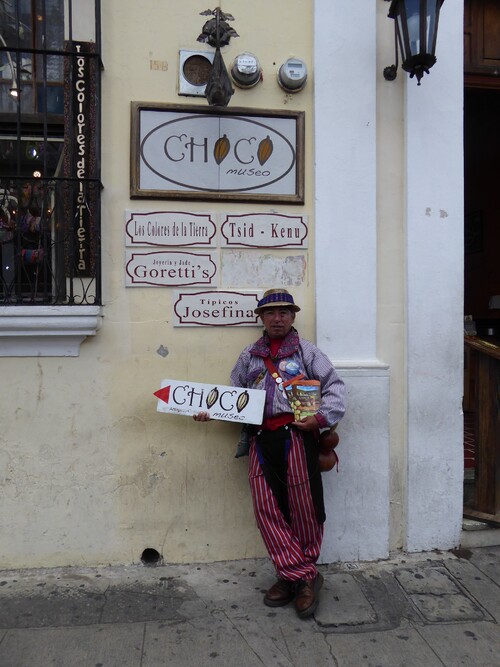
x: 304, y: 397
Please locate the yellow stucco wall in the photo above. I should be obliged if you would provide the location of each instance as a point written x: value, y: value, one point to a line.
x: 92, y: 473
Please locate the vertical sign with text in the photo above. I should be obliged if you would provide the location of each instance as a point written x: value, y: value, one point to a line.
x: 82, y: 124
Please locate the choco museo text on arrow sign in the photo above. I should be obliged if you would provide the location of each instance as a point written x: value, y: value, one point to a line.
x: 226, y: 403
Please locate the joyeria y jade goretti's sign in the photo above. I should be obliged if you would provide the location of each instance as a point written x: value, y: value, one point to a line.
x: 233, y: 404
x: 193, y: 153
x: 165, y: 268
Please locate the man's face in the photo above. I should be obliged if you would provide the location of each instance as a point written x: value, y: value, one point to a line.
x: 277, y: 321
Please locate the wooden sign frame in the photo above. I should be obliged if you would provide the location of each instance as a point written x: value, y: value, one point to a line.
x: 202, y: 153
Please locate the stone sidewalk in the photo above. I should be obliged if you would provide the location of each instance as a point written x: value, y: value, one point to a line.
x: 426, y: 610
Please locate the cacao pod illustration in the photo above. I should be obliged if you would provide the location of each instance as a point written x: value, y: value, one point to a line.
x: 212, y: 397
x: 242, y: 401
x: 221, y: 149
x: 264, y: 151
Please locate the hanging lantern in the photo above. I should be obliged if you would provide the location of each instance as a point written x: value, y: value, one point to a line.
x: 416, y: 25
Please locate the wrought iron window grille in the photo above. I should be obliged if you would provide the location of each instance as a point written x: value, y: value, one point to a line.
x: 50, y: 184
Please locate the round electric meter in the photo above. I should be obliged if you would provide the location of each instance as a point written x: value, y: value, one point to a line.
x: 245, y: 70
x: 292, y: 75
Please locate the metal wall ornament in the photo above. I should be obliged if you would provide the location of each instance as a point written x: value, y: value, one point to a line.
x: 415, y: 25
x: 217, y: 32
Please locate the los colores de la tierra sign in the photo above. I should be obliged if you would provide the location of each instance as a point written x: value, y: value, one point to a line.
x: 192, y: 153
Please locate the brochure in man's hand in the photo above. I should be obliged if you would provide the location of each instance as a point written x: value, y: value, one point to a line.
x: 304, y: 396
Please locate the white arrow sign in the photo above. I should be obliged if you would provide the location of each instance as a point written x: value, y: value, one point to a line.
x: 233, y: 404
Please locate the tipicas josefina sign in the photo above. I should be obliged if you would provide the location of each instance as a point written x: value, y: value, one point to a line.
x: 233, y: 404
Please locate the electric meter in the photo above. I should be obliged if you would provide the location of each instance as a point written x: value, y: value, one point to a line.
x: 292, y: 75
x: 245, y: 70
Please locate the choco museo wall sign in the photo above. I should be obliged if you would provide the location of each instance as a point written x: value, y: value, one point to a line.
x: 181, y: 152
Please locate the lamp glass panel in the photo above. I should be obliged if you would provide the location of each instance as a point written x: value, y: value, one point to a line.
x: 413, y: 22
x: 414, y: 8
x: 431, y: 24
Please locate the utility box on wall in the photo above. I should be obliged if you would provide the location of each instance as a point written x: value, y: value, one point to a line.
x: 194, y: 70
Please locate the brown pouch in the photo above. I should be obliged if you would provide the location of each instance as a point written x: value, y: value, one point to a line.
x: 327, y: 442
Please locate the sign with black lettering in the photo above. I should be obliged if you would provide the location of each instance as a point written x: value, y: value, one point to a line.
x: 216, y: 309
x: 264, y: 230
x: 169, y: 228
x: 232, y: 404
x: 165, y: 268
x: 239, y: 154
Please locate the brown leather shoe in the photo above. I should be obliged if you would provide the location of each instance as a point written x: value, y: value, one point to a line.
x: 280, y: 594
x: 307, y: 596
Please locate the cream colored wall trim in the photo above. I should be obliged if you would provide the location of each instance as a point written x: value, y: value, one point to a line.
x: 357, y: 496
x: 46, y: 331
x: 370, y: 368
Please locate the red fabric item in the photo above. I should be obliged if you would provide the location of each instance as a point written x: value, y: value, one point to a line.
x: 293, y: 548
x: 274, y: 345
x: 272, y: 423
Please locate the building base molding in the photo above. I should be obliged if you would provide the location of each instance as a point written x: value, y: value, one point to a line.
x: 357, y: 496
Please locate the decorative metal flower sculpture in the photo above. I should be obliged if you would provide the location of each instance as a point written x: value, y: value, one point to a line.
x: 217, y: 32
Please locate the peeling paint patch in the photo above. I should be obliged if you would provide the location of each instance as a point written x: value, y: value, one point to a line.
x: 162, y: 351
x: 442, y: 212
x: 247, y: 269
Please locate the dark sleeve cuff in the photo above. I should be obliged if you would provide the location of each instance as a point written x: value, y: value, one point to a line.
x: 322, y: 423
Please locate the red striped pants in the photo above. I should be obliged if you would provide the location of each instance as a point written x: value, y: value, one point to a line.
x: 292, y: 547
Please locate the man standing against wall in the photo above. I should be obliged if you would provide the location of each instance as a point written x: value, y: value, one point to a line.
x: 284, y: 474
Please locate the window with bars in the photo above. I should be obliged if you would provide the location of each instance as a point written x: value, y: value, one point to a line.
x: 50, y: 186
